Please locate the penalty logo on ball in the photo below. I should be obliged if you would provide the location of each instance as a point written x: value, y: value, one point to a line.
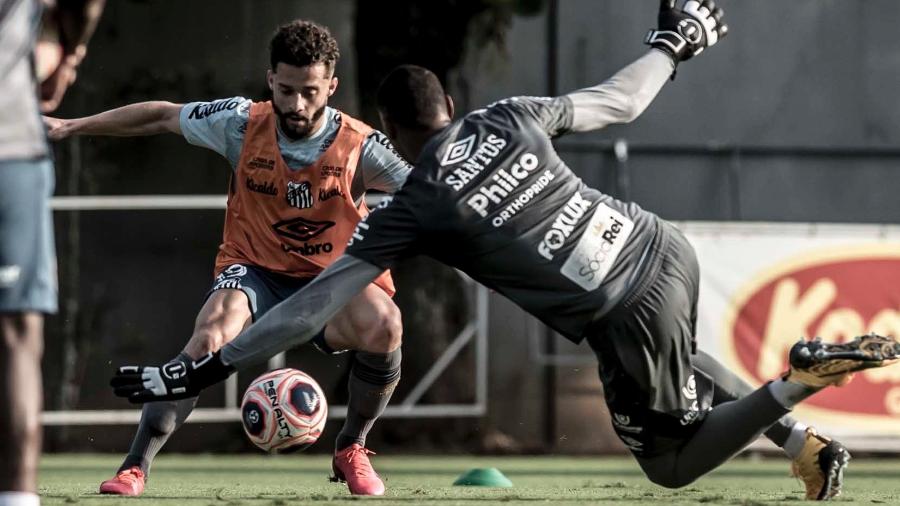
x: 284, y: 411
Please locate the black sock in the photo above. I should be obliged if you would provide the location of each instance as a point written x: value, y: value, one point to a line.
x: 729, y: 387
x: 159, y: 420
x: 727, y: 429
x: 372, y: 381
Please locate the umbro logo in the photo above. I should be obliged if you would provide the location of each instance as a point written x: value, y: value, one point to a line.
x: 458, y: 151
x: 301, y: 229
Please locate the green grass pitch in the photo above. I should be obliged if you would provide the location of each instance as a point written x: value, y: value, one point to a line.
x: 232, y: 480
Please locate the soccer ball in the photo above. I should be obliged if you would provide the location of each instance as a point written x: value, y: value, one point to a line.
x: 284, y: 411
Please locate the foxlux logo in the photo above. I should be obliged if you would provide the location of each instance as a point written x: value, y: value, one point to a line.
x: 506, y: 184
x: 563, y: 225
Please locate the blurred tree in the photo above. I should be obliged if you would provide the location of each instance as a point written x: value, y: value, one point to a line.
x: 435, y: 35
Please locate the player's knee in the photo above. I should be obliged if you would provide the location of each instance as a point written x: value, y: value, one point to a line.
x: 22, y: 333
x: 382, y: 332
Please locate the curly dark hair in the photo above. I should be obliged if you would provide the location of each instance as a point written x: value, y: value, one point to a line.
x: 301, y: 43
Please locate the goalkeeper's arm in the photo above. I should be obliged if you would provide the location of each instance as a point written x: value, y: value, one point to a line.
x: 624, y: 96
x: 681, y: 34
x: 299, y: 317
x: 292, y: 322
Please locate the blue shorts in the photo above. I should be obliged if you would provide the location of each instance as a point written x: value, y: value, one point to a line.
x: 265, y: 289
x: 27, y: 250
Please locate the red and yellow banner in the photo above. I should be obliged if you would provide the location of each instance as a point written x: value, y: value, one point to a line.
x: 764, y: 286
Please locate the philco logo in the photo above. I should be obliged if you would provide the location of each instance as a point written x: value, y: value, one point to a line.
x: 507, y: 182
x: 836, y: 296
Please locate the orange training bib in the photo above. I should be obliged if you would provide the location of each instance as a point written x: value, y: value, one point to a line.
x: 293, y: 222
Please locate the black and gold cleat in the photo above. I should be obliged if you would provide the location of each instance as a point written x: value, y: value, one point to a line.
x: 817, y: 364
x: 821, y: 466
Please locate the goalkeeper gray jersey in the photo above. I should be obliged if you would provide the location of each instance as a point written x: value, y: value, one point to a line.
x: 491, y: 197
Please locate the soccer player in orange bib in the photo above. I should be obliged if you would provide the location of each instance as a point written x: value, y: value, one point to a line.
x: 301, y: 170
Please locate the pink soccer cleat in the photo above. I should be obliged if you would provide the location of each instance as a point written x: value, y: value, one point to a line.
x: 352, y: 465
x: 127, y: 482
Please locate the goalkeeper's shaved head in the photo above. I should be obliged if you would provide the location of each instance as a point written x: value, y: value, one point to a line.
x: 412, y: 97
x: 413, y: 106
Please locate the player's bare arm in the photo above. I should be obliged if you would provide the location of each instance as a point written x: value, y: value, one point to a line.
x: 143, y: 118
x: 62, y: 45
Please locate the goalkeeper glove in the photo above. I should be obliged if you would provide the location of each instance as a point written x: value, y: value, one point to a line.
x: 179, y: 378
x: 687, y: 31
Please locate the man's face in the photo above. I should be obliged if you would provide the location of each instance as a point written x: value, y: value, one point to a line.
x: 300, y: 95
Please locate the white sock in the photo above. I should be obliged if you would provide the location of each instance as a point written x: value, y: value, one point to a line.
x: 788, y: 393
x: 19, y: 499
x: 795, y: 442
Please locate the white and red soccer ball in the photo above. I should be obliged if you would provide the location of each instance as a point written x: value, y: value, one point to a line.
x: 284, y: 411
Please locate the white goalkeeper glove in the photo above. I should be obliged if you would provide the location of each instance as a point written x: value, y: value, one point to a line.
x: 685, y: 32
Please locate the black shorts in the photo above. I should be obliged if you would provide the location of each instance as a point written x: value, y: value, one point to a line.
x: 644, y: 347
x: 264, y: 290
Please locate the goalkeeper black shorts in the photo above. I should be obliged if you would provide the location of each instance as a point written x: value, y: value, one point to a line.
x: 644, y: 347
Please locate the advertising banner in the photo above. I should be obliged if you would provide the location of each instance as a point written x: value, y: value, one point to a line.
x: 766, y: 285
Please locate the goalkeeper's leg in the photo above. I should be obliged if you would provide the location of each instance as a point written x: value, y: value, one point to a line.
x: 817, y: 460
x: 731, y: 426
x: 787, y: 433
